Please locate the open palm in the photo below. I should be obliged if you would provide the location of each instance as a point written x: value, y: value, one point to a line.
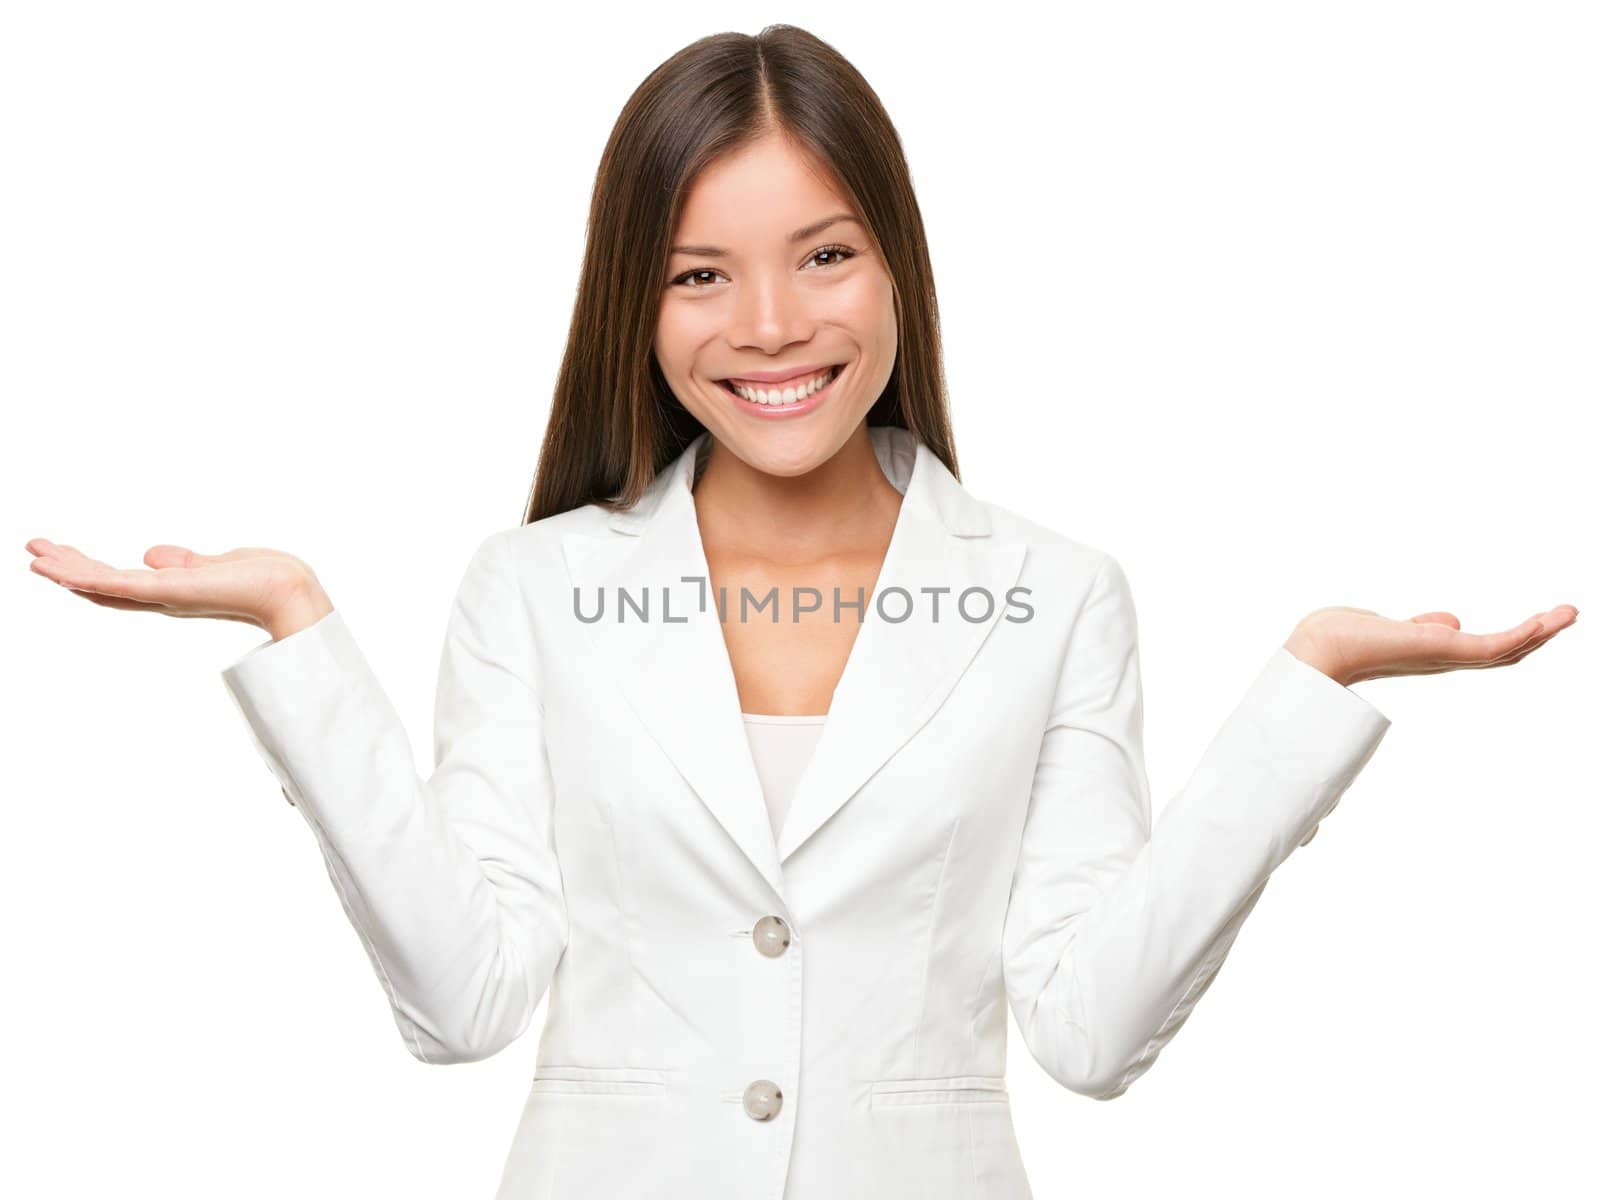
x: 1352, y: 644
x: 248, y: 584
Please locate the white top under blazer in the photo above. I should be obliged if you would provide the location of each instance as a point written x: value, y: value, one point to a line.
x: 820, y: 1013
x: 782, y: 746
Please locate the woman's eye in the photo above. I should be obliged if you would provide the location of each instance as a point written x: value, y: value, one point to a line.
x: 689, y: 275
x: 839, y: 254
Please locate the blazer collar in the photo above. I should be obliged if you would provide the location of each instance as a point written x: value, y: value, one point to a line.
x: 916, y: 472
x: 672, y: 664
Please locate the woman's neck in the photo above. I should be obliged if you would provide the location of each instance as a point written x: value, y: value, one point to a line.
x: 844, y: 504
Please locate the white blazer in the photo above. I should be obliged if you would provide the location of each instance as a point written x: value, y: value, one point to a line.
x: 821, y: 1017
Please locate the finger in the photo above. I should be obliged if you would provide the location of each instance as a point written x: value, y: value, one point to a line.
x: 1559, y: 617
x: 1524, y: 653
x: 120, y: 602
x: 1541, y: 632
x: 1516, y: 652
x: 1533, y: 645
x: 44, y: 546
x: 1446, y: 646
x: 1553, y: 621
x: 147, y: 586
x: 1518, y: 657
x: 50, y: 567
x: 1519, y: 652
x: 70, y: 555
x: 139, y: 606
x: 1476, y: 649
x: 61, y: 552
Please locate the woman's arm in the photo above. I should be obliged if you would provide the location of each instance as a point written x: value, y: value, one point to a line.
x: 451, y: 881
x: 1115, y: 930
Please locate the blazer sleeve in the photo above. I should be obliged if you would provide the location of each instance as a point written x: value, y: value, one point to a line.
x: 1114, y: 930
x: 452, y: 881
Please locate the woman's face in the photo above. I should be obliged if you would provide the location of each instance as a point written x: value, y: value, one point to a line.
x: 765, y: 290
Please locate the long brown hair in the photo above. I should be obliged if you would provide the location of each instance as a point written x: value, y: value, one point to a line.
x: 614, y: 422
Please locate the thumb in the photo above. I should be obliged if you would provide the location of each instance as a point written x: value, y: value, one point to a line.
x: 167, y: 555
x: 1437, y: 618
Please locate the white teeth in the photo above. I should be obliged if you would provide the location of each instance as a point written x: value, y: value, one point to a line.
x: 788, y: 395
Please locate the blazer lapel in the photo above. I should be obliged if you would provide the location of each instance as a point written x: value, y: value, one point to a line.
x: 672, y: 663
x: 900, y: 671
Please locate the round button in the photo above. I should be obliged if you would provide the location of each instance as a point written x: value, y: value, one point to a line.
x: 771, y: 936
x: 762, y: 1100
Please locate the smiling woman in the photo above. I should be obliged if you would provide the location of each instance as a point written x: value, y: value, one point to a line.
x: 780, y: 968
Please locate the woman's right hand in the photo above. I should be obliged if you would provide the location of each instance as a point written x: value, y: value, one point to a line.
x: 270, y: 589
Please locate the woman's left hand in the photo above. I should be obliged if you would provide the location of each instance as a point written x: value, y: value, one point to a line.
x: 1352, y: 644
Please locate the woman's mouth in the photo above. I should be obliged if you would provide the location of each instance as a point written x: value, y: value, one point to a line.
x: 789, y: 398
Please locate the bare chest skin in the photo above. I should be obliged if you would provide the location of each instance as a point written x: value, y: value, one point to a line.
x: 789, y: 666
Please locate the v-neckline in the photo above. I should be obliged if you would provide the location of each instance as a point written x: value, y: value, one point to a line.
x: 898, y: 673
x: 702, y: 456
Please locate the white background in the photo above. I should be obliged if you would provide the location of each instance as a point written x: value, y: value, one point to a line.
x: 1300, y: 297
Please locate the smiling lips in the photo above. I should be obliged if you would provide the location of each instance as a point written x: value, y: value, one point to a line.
x: 792, y: 392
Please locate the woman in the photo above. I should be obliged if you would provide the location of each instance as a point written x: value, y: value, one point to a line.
x: 778, y: 953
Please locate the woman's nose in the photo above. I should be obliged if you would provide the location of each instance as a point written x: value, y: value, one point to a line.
x: 769, y: 313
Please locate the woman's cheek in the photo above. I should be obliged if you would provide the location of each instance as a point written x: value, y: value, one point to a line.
x: 866, y: 304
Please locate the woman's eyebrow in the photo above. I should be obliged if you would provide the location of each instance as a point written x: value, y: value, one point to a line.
x: 799, y: 235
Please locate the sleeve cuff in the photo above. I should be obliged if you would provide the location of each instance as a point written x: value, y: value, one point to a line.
x: 1315, y: 729
x: 291, y: 690
x: 236, y: 669
x: 1341, y: 701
